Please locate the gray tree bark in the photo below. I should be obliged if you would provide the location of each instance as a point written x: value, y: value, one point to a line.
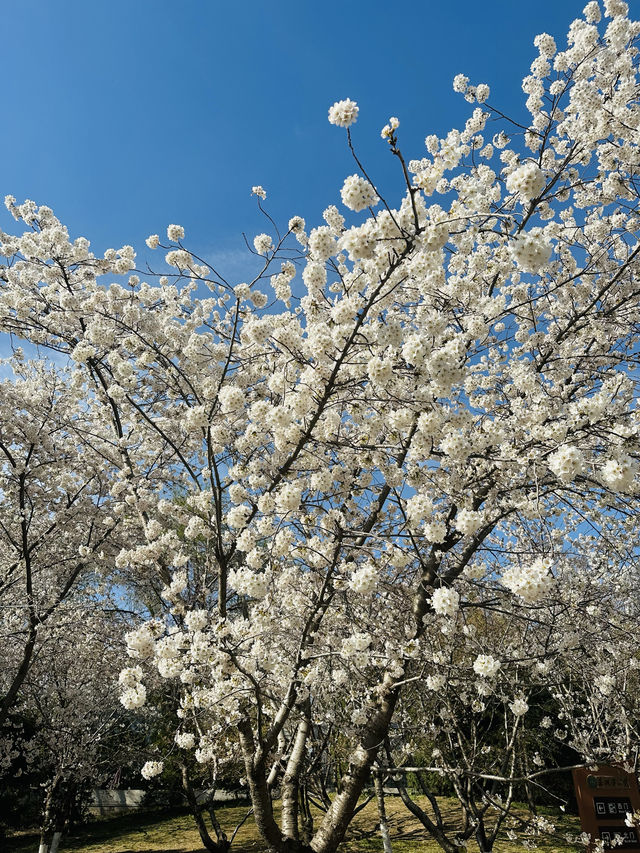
x: 382, y: 814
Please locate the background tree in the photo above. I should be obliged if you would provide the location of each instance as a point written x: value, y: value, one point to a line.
x: 55, y: 528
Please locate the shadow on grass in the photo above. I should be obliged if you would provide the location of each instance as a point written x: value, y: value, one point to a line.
x: 103, y: 831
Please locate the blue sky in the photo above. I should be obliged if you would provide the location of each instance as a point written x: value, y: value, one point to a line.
x: 125, y: 115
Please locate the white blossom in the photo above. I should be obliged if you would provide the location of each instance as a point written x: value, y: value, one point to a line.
x: 529, y: 581
x: 567, y: 462
x: 486, y: 666
x: 343, y: 113
x: 527, y: 181
x: 531, y: 250
x: 151, y: 769
x: 445, y: 601
x: 175, y: 233
x: 519, y: 707
x: 358, y: 194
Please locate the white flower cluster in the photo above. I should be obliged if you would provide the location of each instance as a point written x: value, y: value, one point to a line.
x: 619, y: 474
x: 358, y: 194
x: 435, y: 531
x: 262, y: 243
x: 519, y: 707
x: 389, y: 129
x: 246, y: 582
x: 185, y: 740
x: 531, y: 250
x: 455, y: 445
x: 288, y: 498
x: 468, y: 521
x: 460, y: 83
x: 259, y: 191
x: 175, y: 232
x: 196, y: 620
x: 419, y: 507
x: 296, y: 225
x: 130, y: 676
x: 134, y: 694
x: 195, y: 528
x: 358, y: 242
x: 436, y: 682
x: 364, y: 579
x: 434, y: 236
x: 340, y: 677
x: 546, y: 44
x: 231, y: 398
x: 358, y: 642
x: 414, y: 350
x: 486, y: 666
x: 613, y: 8
x: 140, y: 642
x: 168, y: 656
x: 380, y: 370
x: 445, y: 601
x: 179, y: 258
x: 322, y: 243
x: 82, y: 352
x: 605, y: 684
x: 527, y: 181
x: 566, y: 463
x: 195, y: 419
x: 237, y: 516
x: 343, y: 113
x: 478, y: 93
x: 529, y: 582
x: 134, y: 697
x: 205, y: 754
x: 151, y: 769
x: 334, y: 219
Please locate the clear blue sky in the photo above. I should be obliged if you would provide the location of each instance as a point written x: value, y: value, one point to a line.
x: 125, y: 115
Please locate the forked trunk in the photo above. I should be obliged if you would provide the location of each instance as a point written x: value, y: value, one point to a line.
x: 382, y: 814
x: 47, y: 831
x: 219, y: 846
x: 291, y: 781
x: 335, y: 823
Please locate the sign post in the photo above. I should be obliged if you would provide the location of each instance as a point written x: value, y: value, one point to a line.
x: 605, y: 795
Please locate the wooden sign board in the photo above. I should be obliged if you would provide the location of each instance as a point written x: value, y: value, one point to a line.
x: 605, y: 795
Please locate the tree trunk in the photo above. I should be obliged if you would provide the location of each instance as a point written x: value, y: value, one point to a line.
x: 382, y: 815
x: 223, y: 842
x: 336, y: 821
x: 484, y: 845
x: 220, y: 846
x: 291, y: 780
x: 307, y: 815
x: 55, y: 842
x: 46, y: 833
x: 254, y: 764
x: 435, y: 829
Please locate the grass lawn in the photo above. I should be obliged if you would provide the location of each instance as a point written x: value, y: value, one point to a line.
x: 176, y: 833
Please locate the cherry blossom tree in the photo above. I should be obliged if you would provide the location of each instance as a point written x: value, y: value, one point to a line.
x: 329, y: 463
x: 55, y: 530
x: 75, y: 715
x: 548, y: 685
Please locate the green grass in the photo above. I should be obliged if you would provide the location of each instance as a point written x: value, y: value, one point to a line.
x: 176, y: 833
